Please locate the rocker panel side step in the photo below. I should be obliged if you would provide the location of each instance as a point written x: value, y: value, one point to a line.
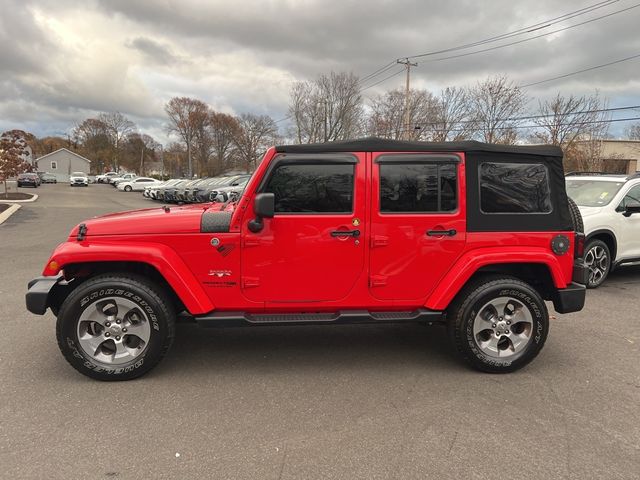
x: 230, y: 319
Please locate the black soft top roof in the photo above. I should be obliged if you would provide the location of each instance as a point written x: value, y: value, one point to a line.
x: 375, y: 144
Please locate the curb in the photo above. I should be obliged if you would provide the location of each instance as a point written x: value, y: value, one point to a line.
x: 8, y: 212
x: 35, y: 197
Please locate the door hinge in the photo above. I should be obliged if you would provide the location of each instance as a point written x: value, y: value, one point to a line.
x: 379, y: 241
x: 250, y: 282
x: 377, y: 280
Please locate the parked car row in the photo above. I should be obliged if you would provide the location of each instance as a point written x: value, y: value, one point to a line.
x: 213, y: 189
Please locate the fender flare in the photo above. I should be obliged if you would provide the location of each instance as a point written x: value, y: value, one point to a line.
x: 469, y: 263
x: 163, y: 258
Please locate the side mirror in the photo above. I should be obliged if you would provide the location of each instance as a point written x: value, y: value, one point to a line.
x: 264, y: 206
x: 631, y: 208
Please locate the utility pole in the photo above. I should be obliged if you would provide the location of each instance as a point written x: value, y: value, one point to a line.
x: 407, y: 93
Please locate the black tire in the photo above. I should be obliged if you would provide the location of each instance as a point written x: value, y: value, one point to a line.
x: 128, y: 188
x: 576, y: 216
x: 598, y: 270
x: 463, y: 312
x: 151, y: 300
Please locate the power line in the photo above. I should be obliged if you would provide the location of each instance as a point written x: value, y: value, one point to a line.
x: 534, y: 117
x: 581, y: 71
x: 534, y: 37
x: 523, y: 30
x: 379, y: 71
x: 519, y: 127
x: 383, y: 80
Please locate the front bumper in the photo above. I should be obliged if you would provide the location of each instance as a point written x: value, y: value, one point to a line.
x: 39, y: 292
x: 570, y: 299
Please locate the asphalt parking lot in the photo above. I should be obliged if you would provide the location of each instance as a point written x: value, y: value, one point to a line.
x: 311, y: 402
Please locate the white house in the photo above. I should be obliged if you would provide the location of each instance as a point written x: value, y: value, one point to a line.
x: 61, y: 163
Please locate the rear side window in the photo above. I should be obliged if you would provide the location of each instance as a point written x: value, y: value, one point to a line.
x: 514, y: 188
x: 312, y: 188
x: 418, y: 187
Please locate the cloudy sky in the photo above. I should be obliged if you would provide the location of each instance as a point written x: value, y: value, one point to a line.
x: 64, y: 60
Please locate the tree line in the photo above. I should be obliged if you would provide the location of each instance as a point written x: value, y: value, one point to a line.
x: 494, y: 110
x: 332, y: 107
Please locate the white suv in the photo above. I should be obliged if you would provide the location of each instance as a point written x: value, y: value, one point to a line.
x: 78, y: 179
x: 610, y: 208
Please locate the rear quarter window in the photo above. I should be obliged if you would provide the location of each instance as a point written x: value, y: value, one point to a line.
x: 514, y: 188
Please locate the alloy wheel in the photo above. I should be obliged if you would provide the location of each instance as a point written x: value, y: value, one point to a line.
x: 503, y: 327
x: 113, y: 330
x: 597, y: 260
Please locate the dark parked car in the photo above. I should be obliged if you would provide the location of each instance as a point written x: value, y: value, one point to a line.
x: 170, y: 193
x: 230, y: 192
x: 236, y: 181
x: 28, y: 180
x: 201, y: 192
x: 190, y: 189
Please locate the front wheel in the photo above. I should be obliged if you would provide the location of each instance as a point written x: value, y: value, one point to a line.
x: 498, y: 324
x: 127, y: 188
x: 115, y: 327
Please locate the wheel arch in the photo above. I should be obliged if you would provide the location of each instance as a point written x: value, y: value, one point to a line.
x: 159, y: 263
x: 608, y: 237
x: 538, y: 268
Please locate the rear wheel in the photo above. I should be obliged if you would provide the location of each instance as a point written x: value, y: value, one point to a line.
x: 498, y: 324
x: 115, y: 327
x: 597, y: 258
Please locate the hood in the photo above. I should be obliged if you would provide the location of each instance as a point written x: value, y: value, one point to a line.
x: 589, y: 211
x: 159, y: 220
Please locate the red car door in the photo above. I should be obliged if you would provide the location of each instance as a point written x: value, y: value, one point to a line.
x: 312, y: 250
x: 418, y: 226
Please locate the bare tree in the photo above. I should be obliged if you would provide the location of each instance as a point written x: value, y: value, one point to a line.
x: 118, y: 127
x: 454, y: 117
x: 565, y: 120
x: 633, y: 132
x: 138, y: 149
x: 225, y: 129
x: 92, y: 139
x: 327, y: 109
x: 497, y: 101
x: 256, y: 133
x: 387, y: 118
x: 186, y: 116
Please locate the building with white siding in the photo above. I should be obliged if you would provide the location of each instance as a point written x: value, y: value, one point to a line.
x: 61, y: 163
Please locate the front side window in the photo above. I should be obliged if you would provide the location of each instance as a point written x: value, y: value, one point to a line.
x: 418, y: 187
x: 632, y: 197
x: 312, y: 188
x: 514, y: 188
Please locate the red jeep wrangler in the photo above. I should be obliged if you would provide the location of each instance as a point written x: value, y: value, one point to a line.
x: 470, y: 235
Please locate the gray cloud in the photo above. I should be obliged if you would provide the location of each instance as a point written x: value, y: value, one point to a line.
x: 66, y: 59
x: 156, y: 52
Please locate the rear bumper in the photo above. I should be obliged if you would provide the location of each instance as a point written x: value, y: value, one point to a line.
x: 580, y: 272
x: 570, y: 299
x: 39, y: 289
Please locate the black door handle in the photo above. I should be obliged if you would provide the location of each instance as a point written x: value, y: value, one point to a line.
x: 441, y: 233
x: 345, y: 233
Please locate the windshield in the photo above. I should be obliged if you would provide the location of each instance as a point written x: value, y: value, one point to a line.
x: 77, y: 174
x: 592, y: 193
